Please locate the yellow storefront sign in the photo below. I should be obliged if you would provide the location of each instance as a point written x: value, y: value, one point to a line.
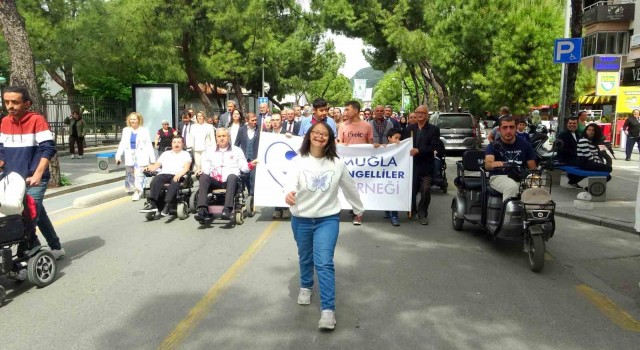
x: 607, y: 83
x: 628, y: 99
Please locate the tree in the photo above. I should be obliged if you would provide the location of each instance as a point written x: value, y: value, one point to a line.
x: 23, y: 72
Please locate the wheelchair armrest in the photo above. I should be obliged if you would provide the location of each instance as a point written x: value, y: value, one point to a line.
x: 150, y: 173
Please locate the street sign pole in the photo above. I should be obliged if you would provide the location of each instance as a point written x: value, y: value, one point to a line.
x: 563, y: 75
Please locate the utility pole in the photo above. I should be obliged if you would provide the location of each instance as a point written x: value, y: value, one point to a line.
x: 563, y: 75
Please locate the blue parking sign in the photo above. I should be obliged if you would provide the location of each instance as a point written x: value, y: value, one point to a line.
x: 262, y: 100
x: 567, y: 50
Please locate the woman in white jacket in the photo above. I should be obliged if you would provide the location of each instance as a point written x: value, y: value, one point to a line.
x: 137, y: 147
x: 312, y: 193
x: 202, y: 135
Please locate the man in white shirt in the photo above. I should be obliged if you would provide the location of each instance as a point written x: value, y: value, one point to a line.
x: 221, y: 167
x: 173, y: 166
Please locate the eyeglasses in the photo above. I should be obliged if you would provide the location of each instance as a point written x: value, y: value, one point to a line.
x: 320, y: 134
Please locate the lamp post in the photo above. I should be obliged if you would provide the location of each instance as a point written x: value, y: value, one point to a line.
x: 262, y: 77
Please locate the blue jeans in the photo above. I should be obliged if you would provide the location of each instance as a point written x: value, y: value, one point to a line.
x: 316, y: 239
x: 42, y: 219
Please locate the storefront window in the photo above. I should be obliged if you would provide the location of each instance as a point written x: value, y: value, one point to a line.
x: 606, y: 43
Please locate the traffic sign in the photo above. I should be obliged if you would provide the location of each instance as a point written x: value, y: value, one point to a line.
x: 262, y: 100
x: 567, y: 50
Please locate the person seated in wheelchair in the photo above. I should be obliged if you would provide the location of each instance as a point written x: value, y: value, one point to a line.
x: 511, y: 149
x: 221, y: 168
x: 12, y: 198
x: 173, y: 166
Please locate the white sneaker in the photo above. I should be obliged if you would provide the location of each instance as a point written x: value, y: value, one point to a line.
x: 58, y: 253
x: 79, y: 157
x: 136, y: 196
x: 327, y: 319
x: 304, y: 296
x: 73, y: 156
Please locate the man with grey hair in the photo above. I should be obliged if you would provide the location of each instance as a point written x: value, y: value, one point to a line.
x: 225, y: 117
x: 264, y: 114
x: 290, y: 124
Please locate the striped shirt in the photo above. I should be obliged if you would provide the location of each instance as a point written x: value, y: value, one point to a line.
x: 24, y: 142
x: 587, y: 151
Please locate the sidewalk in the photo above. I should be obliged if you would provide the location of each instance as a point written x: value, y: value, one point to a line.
x: 84, y: 173
x: 618, y: 211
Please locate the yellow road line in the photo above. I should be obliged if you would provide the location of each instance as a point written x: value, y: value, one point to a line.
x: 616, y: 314
x: 91, y: 211
x: 200, y: 310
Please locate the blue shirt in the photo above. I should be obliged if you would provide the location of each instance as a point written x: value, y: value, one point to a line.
x: 518, y: 153
x: 132, y: 140
x: 523, y: 135
x: 305, y: 125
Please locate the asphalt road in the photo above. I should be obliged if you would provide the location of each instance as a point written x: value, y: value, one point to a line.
x: 130, y: 284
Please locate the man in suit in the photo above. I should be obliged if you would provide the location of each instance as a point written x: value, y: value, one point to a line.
x: 568, y: 153
x: 290, y: 124
x: 264, y: 114
x: 425, y: 142
x: 248, y: 139
x: 185, y: 130
x: 225, y: 117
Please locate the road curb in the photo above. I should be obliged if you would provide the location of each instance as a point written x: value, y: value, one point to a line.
x: 98, y: 198
x: 614, y: 224
x: 75, y: 188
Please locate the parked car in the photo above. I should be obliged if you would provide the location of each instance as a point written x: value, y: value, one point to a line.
x: 458, y: 131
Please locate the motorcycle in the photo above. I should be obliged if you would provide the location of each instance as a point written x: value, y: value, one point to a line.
x: 529, y: 217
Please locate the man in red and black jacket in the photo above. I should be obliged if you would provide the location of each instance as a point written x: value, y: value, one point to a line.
x: 26, y: 147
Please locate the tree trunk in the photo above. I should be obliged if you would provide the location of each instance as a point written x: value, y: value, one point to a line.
x: 425, y: 68
x: 415, y: 99
x: 572, y: 68
x: 191, y: 74
x: 278, y: 104
x: 23, y: 68
x: 242, y: 103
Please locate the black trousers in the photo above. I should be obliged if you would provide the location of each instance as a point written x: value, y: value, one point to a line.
x: 156, y: 187
x: 421, y: 184
x: 76, y: 140
x: 207, y: 183
x: 631, y: 141
x: 593, y: 166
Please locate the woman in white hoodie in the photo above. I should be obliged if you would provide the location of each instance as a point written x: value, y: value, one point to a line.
x: 203, y: 135
x: 137, y: 147
x: 312, y: 193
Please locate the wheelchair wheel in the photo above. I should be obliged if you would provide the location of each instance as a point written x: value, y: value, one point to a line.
x: 239, y: 219
x: 193, y: 201
x: 182, y: 210
x: 249, y: 206
x: 42, y: 269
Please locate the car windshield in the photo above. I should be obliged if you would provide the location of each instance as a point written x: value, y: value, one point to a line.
x: 454, y: 122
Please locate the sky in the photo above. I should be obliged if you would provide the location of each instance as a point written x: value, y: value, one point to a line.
x: 351, y: 48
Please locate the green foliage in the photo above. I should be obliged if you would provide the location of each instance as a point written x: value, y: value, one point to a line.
x: 64, y: 180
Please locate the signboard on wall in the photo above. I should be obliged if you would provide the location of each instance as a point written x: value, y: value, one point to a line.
x: 607, y: 83
x: 607, y: 63
x: 628, y: 99
x: 630, y: 76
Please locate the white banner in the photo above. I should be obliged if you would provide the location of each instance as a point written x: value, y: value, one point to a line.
x: 382, y: 176
x: 359, y: 88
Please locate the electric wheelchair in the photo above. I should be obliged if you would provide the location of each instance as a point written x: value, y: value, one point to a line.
x: 242, y: 204
x: 180, y: 206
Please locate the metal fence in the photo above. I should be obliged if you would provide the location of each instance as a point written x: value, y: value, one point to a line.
x: 104, y: 119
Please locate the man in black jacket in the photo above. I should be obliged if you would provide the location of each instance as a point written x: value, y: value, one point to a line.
x: 290, y: 124
x: 631, y: 127
x: 567, y: 154
x: 425, y: 140
x: 248, y: 139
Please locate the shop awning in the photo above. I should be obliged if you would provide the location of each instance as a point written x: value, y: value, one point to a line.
x: 594, y: 100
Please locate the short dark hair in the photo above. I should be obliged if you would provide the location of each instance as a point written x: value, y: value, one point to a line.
x: 505, y: 110
x: 354, y: 104
x: 319, y: 103
x: 329, y: 150
x: 585, y: 112
x: 393, y: 131
x: 506, y: 118
x: 19, y: 90
x: 177, y: 136
x: 570, y: 119
x: 521, y: 121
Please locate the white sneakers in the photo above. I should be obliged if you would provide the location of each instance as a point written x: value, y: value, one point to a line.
x: 304, y: 297
x: 327, y: 319
x: 136, y: 196
x: 58, y: 253
x: 73, y: 156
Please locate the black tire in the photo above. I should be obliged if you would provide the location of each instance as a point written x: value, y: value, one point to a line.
x: 150, y: 216
x: 193, y: 201
x: 42, y: 269
x: 536, y: 252
x: 455, y: 222
x: 182, y: 210
x: 250, y: 211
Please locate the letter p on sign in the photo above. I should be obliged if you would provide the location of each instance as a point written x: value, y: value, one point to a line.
x: 568, y: 50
